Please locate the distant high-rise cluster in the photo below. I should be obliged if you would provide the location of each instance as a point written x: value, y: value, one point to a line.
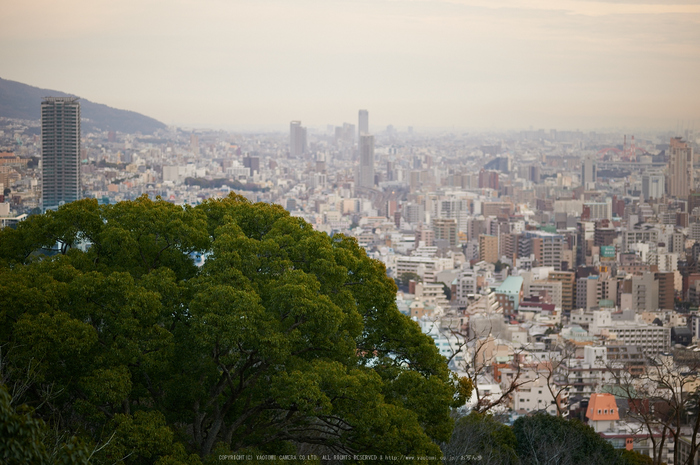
x: 297, y: 139
x: 60, y: 141
x: 345, y: 134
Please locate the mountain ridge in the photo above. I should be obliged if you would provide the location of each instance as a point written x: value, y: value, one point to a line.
x: 22, y: 101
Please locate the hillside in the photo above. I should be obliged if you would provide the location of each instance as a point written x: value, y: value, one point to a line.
x: 21, y: 101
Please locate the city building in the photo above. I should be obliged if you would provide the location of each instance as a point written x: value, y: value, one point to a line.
x: 445, y: 232
x: 510, y: 293
x: 547, y: 248
x: 568, y: 288
x: 362, y: 123
x: 297, y: 139
x: 488, y: 248
x: 645, y: 292
x: 365, y: 176
x: 653, y: 186
x: 60, y: 151
x: 680, y: 168
x: 588, y: 171
x: 651, y: 338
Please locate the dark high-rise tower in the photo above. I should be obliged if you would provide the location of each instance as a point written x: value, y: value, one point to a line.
x: 60, y: 151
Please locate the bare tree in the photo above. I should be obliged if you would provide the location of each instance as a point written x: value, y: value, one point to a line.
x: 557, y: 376
x: 473, y: 354
x: 664, y: 400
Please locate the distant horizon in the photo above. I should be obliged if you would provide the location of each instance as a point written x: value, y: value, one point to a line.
x: 498, y: 64
x: 377, y: 128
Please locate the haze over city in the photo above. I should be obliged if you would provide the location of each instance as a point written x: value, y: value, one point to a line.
x: 455, y: 64
x: 350, y: 232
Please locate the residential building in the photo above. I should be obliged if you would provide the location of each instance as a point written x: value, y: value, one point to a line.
x: 680, y: 168
x: 488, y: 248
x: 445, y: 232
x: 60, y: 151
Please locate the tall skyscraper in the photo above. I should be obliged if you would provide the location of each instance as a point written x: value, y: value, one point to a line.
x: 680, y: 168
x: 588, y: 171
x: 363, y: 123
x: 297, y: 139
x: 60, y: 151
x: 366, y: 170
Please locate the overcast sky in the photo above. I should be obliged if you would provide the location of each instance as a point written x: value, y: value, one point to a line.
x: 562, y: 64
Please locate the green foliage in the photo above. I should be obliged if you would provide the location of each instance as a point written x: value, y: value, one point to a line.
x: 447, y: 291
x: 631, y: 457
x: 480, y: 435
x: 284, y: 339
x: 402, y: 281
x: 542, y: 437
x: 25, y: 439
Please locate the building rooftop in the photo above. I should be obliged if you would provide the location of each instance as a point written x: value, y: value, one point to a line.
x: 602, y: 407
x: 511, y: 285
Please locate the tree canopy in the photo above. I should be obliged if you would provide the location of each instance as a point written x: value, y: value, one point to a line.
x: 542, y: 438
x: 284, y: 340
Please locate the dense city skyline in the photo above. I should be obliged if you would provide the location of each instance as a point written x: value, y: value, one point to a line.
x: 464, y: 64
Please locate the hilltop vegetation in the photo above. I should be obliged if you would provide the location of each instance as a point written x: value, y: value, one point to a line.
x: 285, y: 340
x: 21, y: 101
x: 115, y: 347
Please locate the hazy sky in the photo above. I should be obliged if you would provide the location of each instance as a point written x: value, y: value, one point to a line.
x: 562, y: 64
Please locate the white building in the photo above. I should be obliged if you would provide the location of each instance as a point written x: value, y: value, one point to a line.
x: 651, y: 338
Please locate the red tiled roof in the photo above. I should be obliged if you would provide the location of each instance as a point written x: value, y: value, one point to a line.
x: 602, y: 407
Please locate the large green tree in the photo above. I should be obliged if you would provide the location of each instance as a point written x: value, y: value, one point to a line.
x: 480, y: 438
x: 546, y: 439
x: 285, y: 340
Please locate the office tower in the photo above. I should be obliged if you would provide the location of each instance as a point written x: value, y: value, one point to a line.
x: 653, y: 186
x: 488, y: 248
x: 363, y: 123
x: 60, y: 150
x: 645, y: 292
x: 488, y: 179
x: 598, y: 210
x: 568, y: 288
x: 424, y: 237
x: 445, y: 232
x: 253, y: 163
x: 666, y: 290
x: 547, y: 249
x: 413, y: 213
x: 366, y: 171
x: 588, y: 171
x: 680, y: 166
x: 349, y: 133
x: 297, y: 139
